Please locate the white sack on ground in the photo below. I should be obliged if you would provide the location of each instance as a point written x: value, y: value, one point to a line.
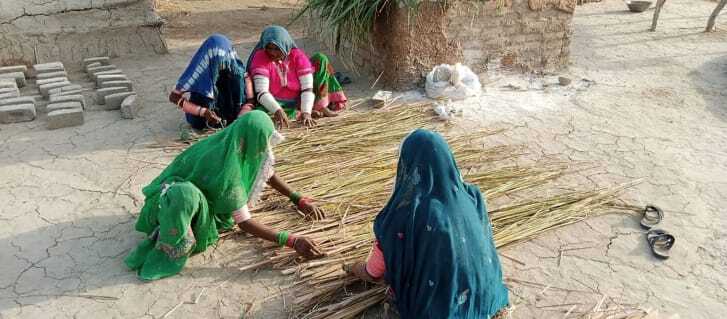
x: 456, y: 82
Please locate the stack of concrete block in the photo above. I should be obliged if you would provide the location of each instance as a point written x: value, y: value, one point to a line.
x: 8, y: 89
x: 52, y: 80
x: 13, y: 107
x: 15, y: 73
x: 65, y: 117
x: 68, y: 98
x: 15, y: 113
x: 17, y: 109
x: 65, y: 99
x: 65, y: 111
x: 12, y: 78
x: 113, y: 87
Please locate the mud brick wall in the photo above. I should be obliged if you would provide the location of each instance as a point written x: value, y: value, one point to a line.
x: 70, y: 30
x: 526, y: 35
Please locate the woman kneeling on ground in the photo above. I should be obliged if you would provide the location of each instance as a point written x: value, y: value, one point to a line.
x: 329, y: 92
x: 219, y: 89
x: 285, y: 81
x: 434, y: 245
x: 208, y: 188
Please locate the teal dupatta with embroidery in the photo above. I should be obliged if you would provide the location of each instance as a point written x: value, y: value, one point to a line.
x: 436, y: 237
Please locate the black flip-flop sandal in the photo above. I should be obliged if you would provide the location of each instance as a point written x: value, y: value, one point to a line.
x: 660, y: 242
x: 342, y: 78
x: 652, y: 216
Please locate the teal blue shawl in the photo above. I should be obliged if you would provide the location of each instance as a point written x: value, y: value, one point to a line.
x: 276, y: 35
x: 436, y: 237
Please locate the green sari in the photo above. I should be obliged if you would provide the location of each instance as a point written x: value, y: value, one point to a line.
x: 196, y: 194
x: 327, y: 89
x: 290, y: 107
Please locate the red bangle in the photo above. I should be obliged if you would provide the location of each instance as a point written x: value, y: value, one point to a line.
x: 304, y: 200
x: 291, y: 241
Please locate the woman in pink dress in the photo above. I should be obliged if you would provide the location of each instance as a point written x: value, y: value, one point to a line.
x: 282, y: 75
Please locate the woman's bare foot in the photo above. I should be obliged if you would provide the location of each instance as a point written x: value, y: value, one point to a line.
x: 328, y: 113
x: 324, y: 113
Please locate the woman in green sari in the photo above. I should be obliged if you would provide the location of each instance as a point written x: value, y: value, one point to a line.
x: 208, y: 188
x: 329, y: 92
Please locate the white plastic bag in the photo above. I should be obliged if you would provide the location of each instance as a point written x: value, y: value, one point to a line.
x: 445, y: 110
x: 456, y: 82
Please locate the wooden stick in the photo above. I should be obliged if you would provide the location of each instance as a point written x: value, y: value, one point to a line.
x: 713, y: 17
x: 255, y: 265
x: 377, y: 79
x: 657, y: 10
x: 170, y: 311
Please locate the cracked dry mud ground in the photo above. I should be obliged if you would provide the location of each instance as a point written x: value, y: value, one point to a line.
x: 658, y: 110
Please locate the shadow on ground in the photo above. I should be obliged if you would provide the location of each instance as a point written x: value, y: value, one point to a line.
x: 713, y: 92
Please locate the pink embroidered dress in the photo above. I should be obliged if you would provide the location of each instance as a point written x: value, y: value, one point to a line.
x: 283, y: 76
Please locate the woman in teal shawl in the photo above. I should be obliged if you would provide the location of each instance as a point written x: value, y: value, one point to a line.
x: 208, y: 188
x: 434, y: 244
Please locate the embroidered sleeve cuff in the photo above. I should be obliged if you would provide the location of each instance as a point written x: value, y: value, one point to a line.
x: 261, y: 71
x: 305, y: 71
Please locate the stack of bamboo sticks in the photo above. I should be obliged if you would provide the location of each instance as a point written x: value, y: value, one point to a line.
x: 348, y: 165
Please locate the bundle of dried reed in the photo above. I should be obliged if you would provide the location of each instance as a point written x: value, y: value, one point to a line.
x: 348, y: 165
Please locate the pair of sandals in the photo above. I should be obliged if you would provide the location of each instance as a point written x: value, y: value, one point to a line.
x: 659, y: 240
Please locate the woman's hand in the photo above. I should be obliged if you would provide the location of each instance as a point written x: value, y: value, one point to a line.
x: 307, y: 248
x: 175, y: 96
x: 281, y: 119
x: 307, y: 120
x: 311, y: 210
x: 358, y: 269
x: 211, y: 117
x: 247, y: 107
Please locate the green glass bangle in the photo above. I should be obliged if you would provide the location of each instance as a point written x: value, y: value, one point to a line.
x: 295, y: 197
x: 282, y: 238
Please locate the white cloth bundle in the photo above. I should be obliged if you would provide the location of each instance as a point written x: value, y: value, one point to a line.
x: 456, y: 82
